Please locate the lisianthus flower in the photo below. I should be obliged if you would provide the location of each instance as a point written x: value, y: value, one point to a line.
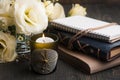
x: 6, y: 8
x: 46, y: 3
x: 7, y: 47
x: 5, y: 22
x: 30, y: 17
x: 6, y: 14
x: 77, y: 9
x: 54, y: 10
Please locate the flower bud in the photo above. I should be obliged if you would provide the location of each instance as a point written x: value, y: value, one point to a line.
x: 77, y: 10
x: 55, y: 11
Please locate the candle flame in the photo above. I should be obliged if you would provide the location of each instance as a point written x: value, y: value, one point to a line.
x: 43, y: 35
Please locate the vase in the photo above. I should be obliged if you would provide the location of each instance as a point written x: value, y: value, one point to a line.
x: 23, y: 43
x: 22, y: 40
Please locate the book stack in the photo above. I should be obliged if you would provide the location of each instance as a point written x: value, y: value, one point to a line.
x: 90, y: 44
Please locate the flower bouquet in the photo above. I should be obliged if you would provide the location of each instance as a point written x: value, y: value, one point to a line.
x: 20, y: 19
x: 28, y: 17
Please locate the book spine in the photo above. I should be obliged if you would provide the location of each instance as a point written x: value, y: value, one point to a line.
x: 81, y: 46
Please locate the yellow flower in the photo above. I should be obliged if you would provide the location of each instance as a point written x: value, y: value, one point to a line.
x: 54, y: 11
x: 7, y: 48
x: 30, y: 17
x: 77, y: 10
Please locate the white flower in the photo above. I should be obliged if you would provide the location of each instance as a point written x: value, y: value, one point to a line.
x: 30, y: 17
x: 39, y: 0
x: 6, y: 13
x: 54, y: 11
x: 46, y: 3
x: 5, y: 22
x: 7, y: 47
x: 6, y: 8
x: 77, y: 10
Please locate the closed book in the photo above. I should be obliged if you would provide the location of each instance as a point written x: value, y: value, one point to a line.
x: 105, y: 31
x: 84, y: 62
x: 96, y: 48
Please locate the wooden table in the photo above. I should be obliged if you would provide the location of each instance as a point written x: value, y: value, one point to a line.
x: 21, y: 71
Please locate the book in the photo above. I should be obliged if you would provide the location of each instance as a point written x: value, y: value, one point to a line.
x: 84, y: 62
x: 105, y: 31
x: 101, y: 50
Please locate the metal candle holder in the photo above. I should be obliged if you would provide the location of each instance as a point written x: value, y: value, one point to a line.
x: 43, y: 55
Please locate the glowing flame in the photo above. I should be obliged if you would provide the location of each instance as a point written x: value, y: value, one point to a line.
x: 43, y: 35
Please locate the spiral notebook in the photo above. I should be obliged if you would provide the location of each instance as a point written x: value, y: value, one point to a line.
x: 105, y: 31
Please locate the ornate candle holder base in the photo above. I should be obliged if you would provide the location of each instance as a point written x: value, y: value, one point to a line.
x: 43, y: 55
x: 44, y: 61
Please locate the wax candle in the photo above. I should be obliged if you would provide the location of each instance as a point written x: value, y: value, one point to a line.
x: 44, y: 39
x: 39, y: 41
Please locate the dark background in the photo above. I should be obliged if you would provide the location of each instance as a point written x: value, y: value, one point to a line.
x: 108, y: 2
x: 107, y: 10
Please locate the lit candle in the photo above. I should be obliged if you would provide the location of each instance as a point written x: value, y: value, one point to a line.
x: 44, y: 39
x: 43, y: 53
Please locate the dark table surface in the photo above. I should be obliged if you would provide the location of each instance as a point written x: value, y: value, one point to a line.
x: 21, y: 70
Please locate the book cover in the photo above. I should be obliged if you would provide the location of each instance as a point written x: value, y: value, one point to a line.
x: 84, y: 62
x: 96, y: 48
x: 105, y: 31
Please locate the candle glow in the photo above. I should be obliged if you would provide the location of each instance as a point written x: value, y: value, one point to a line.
x: 44, y: 39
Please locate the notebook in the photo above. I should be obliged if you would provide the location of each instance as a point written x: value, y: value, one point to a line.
x: 101, y: 50
x: 105, y: 31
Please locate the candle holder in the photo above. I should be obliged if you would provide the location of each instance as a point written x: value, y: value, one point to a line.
x: 44, y: 61
x: 43, y: 55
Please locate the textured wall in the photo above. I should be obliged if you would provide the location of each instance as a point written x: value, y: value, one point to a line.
x: 79, y: 1
x: 113, y: 2
x: 90, y: 1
